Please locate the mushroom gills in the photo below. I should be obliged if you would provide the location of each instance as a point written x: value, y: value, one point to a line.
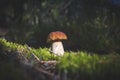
x: 57, y: 48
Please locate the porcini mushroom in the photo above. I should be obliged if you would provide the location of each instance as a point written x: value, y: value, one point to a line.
x: 56, y: 39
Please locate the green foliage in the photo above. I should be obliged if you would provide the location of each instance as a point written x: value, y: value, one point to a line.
x: 77, y: 65
x: 41, y: 53
x: 79, y: 60
x: 93, y: 66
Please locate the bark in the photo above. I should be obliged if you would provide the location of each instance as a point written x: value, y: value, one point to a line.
x: 34, y: 69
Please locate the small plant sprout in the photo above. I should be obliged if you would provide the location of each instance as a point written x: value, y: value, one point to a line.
x: 55, y: 38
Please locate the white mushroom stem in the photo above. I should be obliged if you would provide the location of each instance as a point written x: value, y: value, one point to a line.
x: 57, y: 48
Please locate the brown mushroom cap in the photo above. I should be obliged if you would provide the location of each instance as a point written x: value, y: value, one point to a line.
x: 56, y: 36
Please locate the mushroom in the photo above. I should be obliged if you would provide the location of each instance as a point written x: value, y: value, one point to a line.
x: 56, y: 39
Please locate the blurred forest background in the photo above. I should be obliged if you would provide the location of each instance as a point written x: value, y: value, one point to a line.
x: 91, y: 25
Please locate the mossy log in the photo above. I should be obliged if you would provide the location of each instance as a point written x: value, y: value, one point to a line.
x: 33, y: 66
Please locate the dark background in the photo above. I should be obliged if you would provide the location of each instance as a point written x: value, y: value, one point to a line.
x: 91, y: 25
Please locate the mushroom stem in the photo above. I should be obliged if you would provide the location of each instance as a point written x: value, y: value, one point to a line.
x: 57, y: 48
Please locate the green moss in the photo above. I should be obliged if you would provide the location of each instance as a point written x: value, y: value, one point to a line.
x: 41, y: 53
x: 83, y: 64
x: 95, y: 67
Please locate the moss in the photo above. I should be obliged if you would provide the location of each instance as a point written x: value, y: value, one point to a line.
x: 77, y: 65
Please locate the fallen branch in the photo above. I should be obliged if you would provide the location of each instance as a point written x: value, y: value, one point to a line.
x: 33, y: 66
